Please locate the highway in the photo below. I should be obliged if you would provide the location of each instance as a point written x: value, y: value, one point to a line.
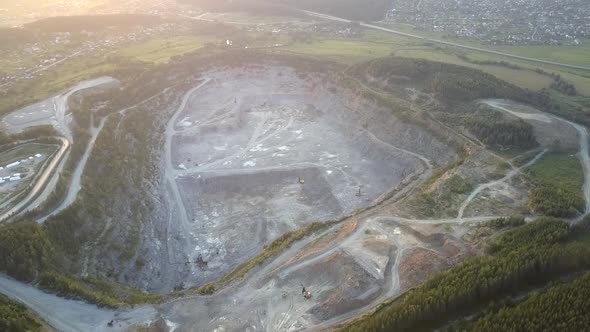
x: 472, y: 48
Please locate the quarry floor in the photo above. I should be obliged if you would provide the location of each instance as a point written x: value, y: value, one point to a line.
x: 252, y: 154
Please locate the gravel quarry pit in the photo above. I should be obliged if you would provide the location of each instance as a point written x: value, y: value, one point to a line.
x: 376, y: 260
x: 258, y: 151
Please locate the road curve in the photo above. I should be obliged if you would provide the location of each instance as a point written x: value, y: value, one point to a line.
x: 61, y: 108
x: 507, y: 177
x: 479, y: 49
x: 41, y: 182
x: 584, y: 153
x: 66, y: 315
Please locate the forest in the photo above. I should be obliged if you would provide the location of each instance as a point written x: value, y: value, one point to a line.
x: 15, y: 317
x: 455, y: 86
x: 521, y: 258
x: 563, y: 307
x: 26, y: 251
x: 556, y: 201
x: 494, y: 129
x: 557, y: 181
x: 451, y: 82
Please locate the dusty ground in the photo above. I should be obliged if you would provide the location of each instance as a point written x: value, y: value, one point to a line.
x: 257, y: 152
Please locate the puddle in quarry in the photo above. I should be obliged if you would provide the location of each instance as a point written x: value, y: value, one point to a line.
x: 257, y: 152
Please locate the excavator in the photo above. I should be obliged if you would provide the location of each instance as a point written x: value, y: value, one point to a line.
x: 306, y: 294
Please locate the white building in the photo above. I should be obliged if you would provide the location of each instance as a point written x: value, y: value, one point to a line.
x: 14, y: 164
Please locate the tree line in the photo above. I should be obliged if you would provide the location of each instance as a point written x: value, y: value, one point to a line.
x: 14, y: 317
x: 560, y: 308
x: 494, y: 128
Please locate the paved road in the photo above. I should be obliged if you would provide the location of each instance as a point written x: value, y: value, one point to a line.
x: 376, y: 27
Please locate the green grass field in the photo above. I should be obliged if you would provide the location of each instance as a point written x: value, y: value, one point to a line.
x: 160, y: 50
x: 575, y: 55
x: 345, y: 51
x: 375, y: 44
x: 351, y: 51
x: 559, y: 169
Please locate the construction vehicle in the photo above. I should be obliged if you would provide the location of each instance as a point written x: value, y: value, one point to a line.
x: 306, y: 294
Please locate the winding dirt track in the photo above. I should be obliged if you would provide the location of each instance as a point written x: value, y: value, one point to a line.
x: 41, y: 187
x: 484, y: 186
x: 583, y: 154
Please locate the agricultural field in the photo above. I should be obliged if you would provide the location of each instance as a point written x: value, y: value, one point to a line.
x: 575, y: 55
x: 345, y: 51
x: 161, y: 50
x: 376, y: 44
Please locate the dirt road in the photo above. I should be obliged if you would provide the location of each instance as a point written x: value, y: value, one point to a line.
x: 66, y: 315
x: 45, y: 182
x: 40, y: 183
x: 510, y: 175
x: 75, y: 184
x: 583, y: 154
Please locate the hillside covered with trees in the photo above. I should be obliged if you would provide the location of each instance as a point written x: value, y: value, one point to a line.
x: 560, y: 308
x: 495, y: 129
x: 15, y: 317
